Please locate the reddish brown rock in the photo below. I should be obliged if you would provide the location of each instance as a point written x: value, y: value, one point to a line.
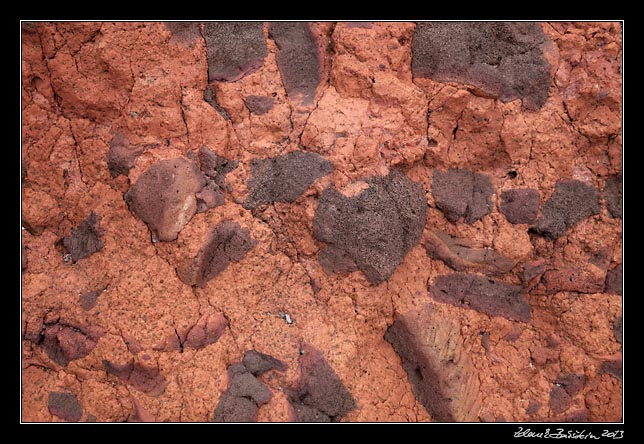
x: 122, y: 156
x: 572, y: 280
x: 439, y: 370
x: 482, y: 294
x: 144, y: 378
x: 571, y: 382
x: 65, y: 343
x: 613, y: 196
x: 206, y: 331
x: 88, y: 300
x: 65, y: 406
x: 259, y: 104
x: 164, y: 196
x: 612, y: 367
x: 559, y: 399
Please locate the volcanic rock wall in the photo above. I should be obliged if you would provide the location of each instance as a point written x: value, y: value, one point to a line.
x: 267, y: 221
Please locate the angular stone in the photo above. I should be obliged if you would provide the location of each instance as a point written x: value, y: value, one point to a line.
x: 65, y: 406
x: 86, y: 239
x: 284, y: 178
x: 234, y: 49
x: 259, y: 105
x: 461, y: 193
x: 375, y: 229
x: 570, y: 279
x: 481, y: 294
x: 164, y: 196
x: 613, y: 284
x: 461, y: 254
x: 571, y: 202
x: 504, y: 59
x: 441, y: 373
x: 319, y: 394
x: 613, y: 196
x: 259, y: 363
x: 298, y: 58
x: 520, y: 205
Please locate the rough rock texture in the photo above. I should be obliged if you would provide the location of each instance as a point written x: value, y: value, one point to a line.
x: 284, y: 178
x: 233, y: 49
x: 461, y: 193
x: 482, y: 294
x: 245, y: 393
x: 88, y: 87
x: 520, y: 206
x: 613, y: 195
x: 462, y: 254
x: 571, y: 202
x: 375, y: 228
x: 298, y: 58
x: 613, y: 282
x: 164, y: 196
x: 503, y: 59
x: 85, y: 240
x: 319, y: 395
x: 439, y: 370
x: 65, y: 406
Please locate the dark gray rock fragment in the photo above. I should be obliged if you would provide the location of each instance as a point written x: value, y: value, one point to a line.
x: 184, y: 32
x: 520, y: 205
x: 613, y: 283
x: 504, y: 59
x: 259, y: 104
x: 374, y: 229
x: 613, y: 196
x: 259, y: 363
x: 319, y: 395
x: 298, y: 58
x: 234, y: 49
x: 65, y: 406
x: 86, y: 239
x: 121, y: 156
x: 461, y: 193
x: 571, y: 202
x: 284, y: 178
x: 482, y: 294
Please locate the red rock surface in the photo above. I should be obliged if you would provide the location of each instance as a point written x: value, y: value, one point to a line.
x: 103, y: 103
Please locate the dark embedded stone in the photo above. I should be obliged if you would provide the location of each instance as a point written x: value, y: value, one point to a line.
x: 533, y: 407
x: 571, y: 382
x: 460, y: 254
x: 228, y: 242
x: 336, y: 260
x: 214, y: 166
x: 121, y: 156
x: 319, y: 395
x: 298, y: 58
x: 618, y: 329
x: 560, y: 400
x: 481, y: 294
x: 612, y: 367
x: 88, y: 300
x: 65, y: 343
x: 571, y: 202
x: 235, y: 409
x: 184, y: 32
x: 461, y: 193
x: 613, y: 282
x: 234, y: 49
x: 86, y: 239
x: 375, y: 228
x: 504, y: 59
x: 148, y: 380
x: 164, y: 196
x: 259, y: 104
x: 520, y: 205
x: 65, y: 406
x: 570, y: 279
x: 259, y: 363
x: 209, y: 97
x: 284, y: 178
x: 440, y: 371
x: 613, y: 196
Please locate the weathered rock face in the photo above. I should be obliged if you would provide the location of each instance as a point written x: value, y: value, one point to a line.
x: 267, y: 221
